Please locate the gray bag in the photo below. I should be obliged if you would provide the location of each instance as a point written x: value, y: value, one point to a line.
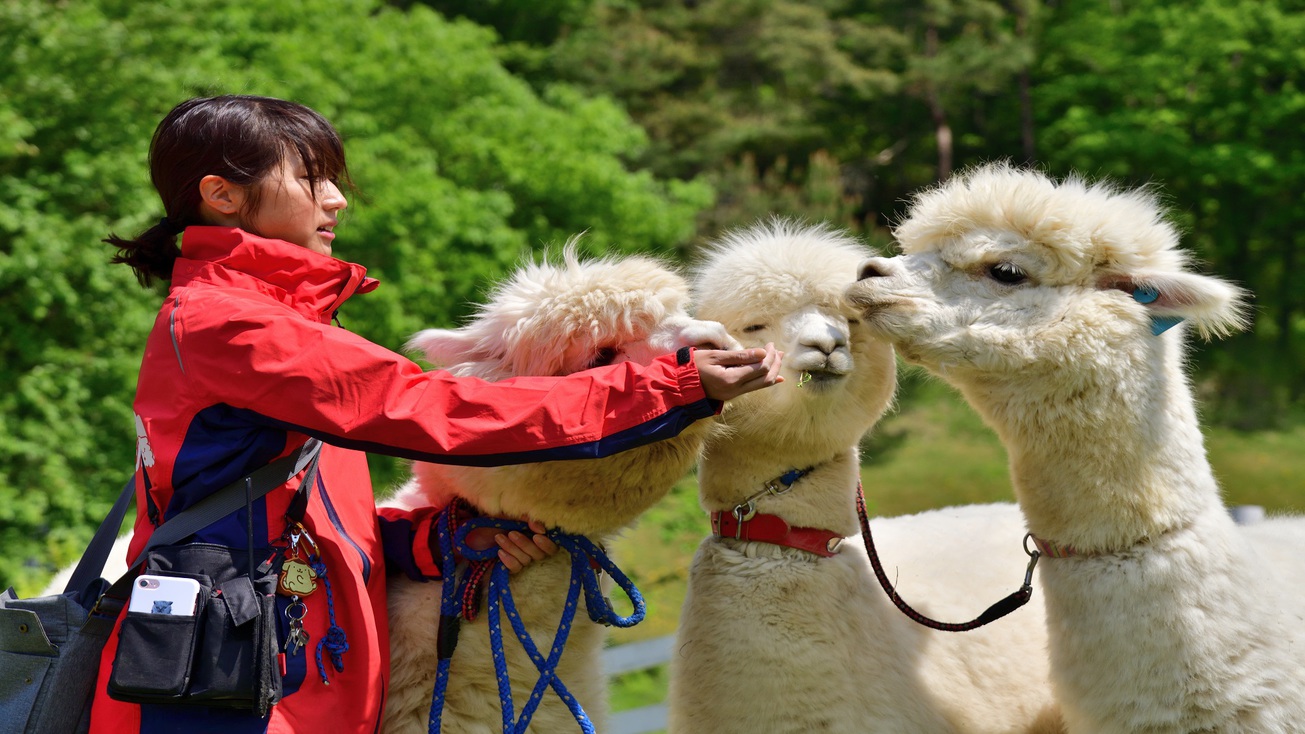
x: 50, y: 646
x: 49, y: 657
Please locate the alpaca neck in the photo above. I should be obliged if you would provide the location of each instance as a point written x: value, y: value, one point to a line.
x: 1108, y: 459
x: 732, y: 471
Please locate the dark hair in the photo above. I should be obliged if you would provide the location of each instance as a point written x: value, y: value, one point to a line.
x: 241, y: 138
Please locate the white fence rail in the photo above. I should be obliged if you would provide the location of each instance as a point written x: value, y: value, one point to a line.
x: 627, y: 659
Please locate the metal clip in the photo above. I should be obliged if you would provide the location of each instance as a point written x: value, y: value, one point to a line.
x: 776, y: 487
x: 743, y: 513
x: 1034, y: 555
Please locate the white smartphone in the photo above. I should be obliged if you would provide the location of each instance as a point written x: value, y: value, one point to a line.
x: 164, y: 595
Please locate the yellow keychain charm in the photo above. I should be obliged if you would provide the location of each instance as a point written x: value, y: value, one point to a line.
x: 297, y: 578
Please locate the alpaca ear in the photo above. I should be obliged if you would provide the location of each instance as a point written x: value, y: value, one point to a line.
x: 447, y: 347
x: 1214, y: 306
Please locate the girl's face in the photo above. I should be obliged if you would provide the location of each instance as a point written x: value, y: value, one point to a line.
x: 288, y: 209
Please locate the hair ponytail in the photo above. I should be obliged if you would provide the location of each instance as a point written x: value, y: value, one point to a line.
x: 152, y: 253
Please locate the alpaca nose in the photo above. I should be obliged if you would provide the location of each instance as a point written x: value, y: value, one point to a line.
x: 875, y: 267
x: 816, y: 330
x: 827, y: 342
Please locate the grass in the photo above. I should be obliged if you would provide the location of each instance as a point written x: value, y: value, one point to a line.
x: 932, y: 451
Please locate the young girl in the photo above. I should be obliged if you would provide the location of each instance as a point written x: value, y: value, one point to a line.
x: 244, y: 364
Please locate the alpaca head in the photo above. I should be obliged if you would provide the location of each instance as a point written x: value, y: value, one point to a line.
x: 552, y: 319
x: 784, y: 283
x: 1005, y: 271
x: 555, y: 319
x: 1041, y: 301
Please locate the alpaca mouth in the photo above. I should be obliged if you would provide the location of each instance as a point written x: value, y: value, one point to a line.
x: 869, y: 304
x: 819, y: 377
x: 874, y: 309
x: 824, y: 377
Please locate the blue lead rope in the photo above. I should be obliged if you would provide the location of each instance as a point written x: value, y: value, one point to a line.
x: 584, y: 553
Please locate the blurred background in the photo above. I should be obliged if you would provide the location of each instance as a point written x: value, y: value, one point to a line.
x: 482, y: 131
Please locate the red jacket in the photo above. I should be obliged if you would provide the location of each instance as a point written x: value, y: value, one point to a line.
x: 243, y: 364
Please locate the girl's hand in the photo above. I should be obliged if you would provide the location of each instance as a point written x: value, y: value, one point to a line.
x: 728, y: 374
x: 516, y: 550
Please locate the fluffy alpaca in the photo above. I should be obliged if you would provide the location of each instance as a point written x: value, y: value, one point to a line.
x: 546, y: 320
x: 1038, y: 300
x: 781, y: 640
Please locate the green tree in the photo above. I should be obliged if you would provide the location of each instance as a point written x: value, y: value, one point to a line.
x: 890, y: 93
x: 1203, y: 99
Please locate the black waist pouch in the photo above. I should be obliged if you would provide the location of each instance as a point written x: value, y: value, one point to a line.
x: 225, y: 655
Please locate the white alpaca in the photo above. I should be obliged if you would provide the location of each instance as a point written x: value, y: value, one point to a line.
x: 547, y: 320
x: 1038, y: 300
x: 782, y: 640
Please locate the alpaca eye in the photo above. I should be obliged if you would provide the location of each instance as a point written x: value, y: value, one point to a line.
x: 1008, y: 273
x: 754, y: 328
x: 605, y: 356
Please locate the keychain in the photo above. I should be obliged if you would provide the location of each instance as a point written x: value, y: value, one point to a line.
x: 297, y: 637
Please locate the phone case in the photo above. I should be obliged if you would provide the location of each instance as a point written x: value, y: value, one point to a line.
x: 164, y: 595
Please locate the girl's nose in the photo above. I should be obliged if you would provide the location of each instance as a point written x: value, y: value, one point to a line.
x: 332, y: 197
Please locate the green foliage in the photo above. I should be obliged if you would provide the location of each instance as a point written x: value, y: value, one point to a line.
x: 532, y: 22
x: 768, y: 87
x: 464, y: 170
x: 748, y: 195
x: 1205, y: 100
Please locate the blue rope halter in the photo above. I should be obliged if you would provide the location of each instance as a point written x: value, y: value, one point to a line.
x: 584, y: 553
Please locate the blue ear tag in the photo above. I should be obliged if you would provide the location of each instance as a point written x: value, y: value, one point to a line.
x: 1145, y: 295
x: 1159, y: 324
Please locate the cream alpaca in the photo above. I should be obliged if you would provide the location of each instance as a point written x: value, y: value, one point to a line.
x: 782, y: 641
x: 546, y: 320
x: 1037, y: 300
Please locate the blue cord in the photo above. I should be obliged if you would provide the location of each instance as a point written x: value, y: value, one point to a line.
x: 334, y: 640
x: 583, y: 577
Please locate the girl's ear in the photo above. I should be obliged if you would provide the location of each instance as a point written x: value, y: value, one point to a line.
x: 222, y: 199
x: 1216, y: 307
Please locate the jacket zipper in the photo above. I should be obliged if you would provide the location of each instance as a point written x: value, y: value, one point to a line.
x: 339, y: 528
x: 172, y: 330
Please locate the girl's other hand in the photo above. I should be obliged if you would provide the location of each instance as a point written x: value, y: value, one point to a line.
x: 728, y: 374
x: 516, y: 549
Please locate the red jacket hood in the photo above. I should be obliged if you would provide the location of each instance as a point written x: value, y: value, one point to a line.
x: 312, y: 283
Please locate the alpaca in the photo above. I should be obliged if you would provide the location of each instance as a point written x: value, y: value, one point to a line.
x: 1047, y: 304
x: 784, y: 640
x: 546, y: 320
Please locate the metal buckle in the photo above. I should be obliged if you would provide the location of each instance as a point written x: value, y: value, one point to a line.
x: 743, y: 513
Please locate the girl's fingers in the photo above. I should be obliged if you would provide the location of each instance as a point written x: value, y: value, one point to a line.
x: 510, y: 562
x: 546, y: 544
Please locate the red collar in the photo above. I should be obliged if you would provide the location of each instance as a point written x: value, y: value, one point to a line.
x: 774, y: 529
x: 1052, y: 549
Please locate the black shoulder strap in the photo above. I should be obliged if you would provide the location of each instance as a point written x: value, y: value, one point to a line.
x: 194, y: 518
x: 92, y: 562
